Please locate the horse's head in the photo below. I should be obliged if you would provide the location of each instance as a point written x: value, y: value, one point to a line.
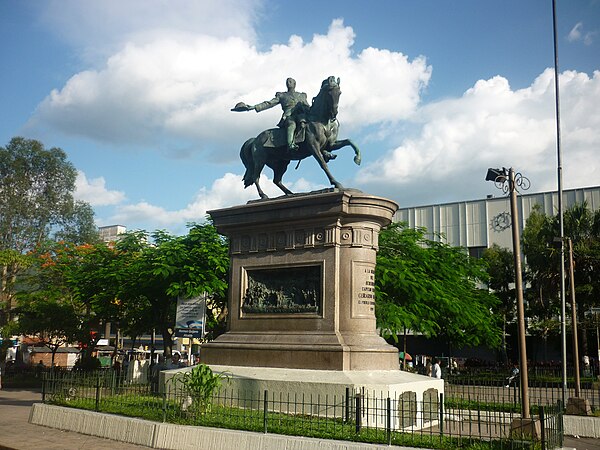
x: 325, y: 104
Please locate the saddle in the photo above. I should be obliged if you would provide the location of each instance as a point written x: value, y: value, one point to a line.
x: 277, y: 137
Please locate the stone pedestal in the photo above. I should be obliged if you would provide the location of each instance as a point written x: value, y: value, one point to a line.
x: 525, y: 429
x: 302, y: 283
x: 414, y: 399
x: 579, y: 406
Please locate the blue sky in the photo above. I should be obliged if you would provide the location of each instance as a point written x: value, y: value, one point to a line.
x: 138, y: 92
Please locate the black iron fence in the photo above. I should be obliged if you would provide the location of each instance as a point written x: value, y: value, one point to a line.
x: 457, y: 419
x: 545, y: 387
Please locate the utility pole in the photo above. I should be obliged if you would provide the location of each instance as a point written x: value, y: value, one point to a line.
x: 563, y: 309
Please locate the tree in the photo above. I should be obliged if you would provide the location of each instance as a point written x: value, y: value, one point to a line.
x: 582, y: 226
x: 185, y: 266
x: 432, y: 288
x: 542, y: 257
x: 134, y: 284
x: 501, y: 271
x: 36, y: 187
x: 78, y: 226
x: 53, y: 321
x: 78, y: 281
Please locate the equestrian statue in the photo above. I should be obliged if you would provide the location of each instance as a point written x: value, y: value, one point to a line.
x: 303, y: 131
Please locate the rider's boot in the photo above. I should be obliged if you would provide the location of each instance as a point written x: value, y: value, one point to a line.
x: 290, y: 137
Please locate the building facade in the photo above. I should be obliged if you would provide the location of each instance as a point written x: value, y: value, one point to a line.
x: 478, y: 224
x: 111, y: 233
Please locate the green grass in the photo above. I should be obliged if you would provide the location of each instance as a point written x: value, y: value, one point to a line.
x: 156, y: 408
x: 495, y: 378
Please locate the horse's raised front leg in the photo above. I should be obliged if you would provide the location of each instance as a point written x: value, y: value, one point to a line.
x: 315, y: 149
x: 343, y: 143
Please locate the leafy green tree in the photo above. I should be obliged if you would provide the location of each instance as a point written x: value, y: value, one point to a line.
x: 36, y: 187
x: 78, y: 226
x: 582, y: 226
x: 78, y: 279
x: 134, y: 284
x: 156, y: 274
x: 501, y: 271
x: 432, y: 288
x: 53, y: 321
x: 542, y: 266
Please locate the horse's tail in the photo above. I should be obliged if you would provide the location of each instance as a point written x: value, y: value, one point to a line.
x: 248, y: 160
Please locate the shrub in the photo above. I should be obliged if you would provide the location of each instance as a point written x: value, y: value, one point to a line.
x: 87, y: 364
x: 199, y: 384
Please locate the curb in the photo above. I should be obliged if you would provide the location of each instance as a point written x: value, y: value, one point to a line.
x: 178, y: 437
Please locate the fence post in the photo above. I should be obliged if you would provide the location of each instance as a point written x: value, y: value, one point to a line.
x: 97, y: 392
x: 357, y: 409
x: 44, y: 387
x: 441, y: 414
x: 265, y: 408
x: 478, y: 416
x: 347, y: 408
x: 113, y: 382
x: 164, y: 402
x: 543, y: 427
x: 389, y: 421
x: 561, y: 429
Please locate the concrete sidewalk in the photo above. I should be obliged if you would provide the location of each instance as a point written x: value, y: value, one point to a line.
x: 16, y: 433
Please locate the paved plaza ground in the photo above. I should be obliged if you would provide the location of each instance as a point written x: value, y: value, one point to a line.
x: 17, y: 433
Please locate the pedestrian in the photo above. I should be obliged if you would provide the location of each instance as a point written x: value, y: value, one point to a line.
x: 454, y: 366
x: 175, y: 363
x: 436, y: 370
x: 428, y: 368
x: 39, y: 368
x: 513, y: 375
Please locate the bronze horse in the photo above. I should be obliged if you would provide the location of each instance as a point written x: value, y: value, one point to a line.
x: 320, y: 139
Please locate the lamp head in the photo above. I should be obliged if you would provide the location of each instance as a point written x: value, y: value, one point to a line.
x: 499, y: 175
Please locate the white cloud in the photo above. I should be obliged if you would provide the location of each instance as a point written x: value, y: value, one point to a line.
x: 97, y: 29
x: 577, y: 34
x: 159, y: 82
x: 224, y: 192
x: 492, y: 125
x: 181, y: 88
x: 94, y: 191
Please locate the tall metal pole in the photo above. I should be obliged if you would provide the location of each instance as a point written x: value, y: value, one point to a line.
x: 519, y: 287
x: 574, y: 321
x: 563, y: 314
x: 597, y: 341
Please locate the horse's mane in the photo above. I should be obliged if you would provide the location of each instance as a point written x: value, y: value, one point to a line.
x: 321, y: 104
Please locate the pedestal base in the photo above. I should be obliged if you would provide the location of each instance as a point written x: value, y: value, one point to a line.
x: 525, y: 429
x: 301, y: 350
x: 302, y: 283
x: 579, y: 406
x: 414, y: 399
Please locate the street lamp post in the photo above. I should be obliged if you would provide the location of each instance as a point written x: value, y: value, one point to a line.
x: 508, y: 182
